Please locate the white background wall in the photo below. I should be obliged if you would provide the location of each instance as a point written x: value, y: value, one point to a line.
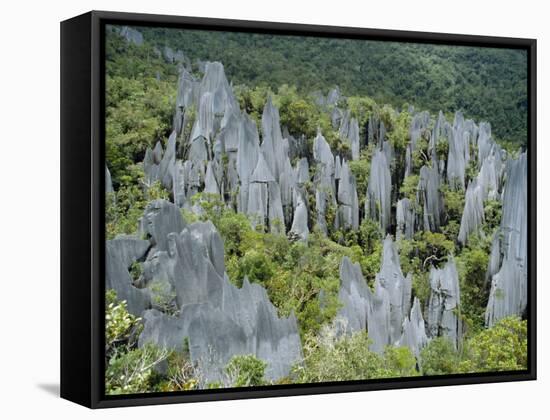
x: 29, y: 187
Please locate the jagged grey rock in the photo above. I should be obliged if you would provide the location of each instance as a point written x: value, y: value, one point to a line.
x: 444, y: 303
x: 405, y: 218
x: 272, y: 139
x: 159, y: 166
x: 108, y: 181
x: 336, y: 117
x: 131, y: 35
x: 247, y: 158
x: 355, y: 296
x: 378, y: 200
x: 473, y: 215
x: 508, y: 294
x: 120, y: 254
x: 414, y: 330
x: 383, y: 312
x: 348, y: 202
x: 160, y: 218
x: 302, y: 171
x: 398, y: 289
x: 210, y: 182
x: 219, y: 319
x: 324, y: 180
x: 299, y: 222
x: 275, y: 208
x: 429, y: 198
x: 353, y: 136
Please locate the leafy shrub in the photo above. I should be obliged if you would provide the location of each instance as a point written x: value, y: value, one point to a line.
x: 131, y: 372
x: 502, y: 347
x: 119, y: 324
x: 245, y: 370
x: 439, y: 357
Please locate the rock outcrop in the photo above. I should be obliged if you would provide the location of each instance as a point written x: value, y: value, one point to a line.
x: 444, y: 303
x: 378, y: 200
x: 508, y: 295
x: 219, y: 319
x: 120, y: 254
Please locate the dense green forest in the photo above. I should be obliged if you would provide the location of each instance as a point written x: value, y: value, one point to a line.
x: 375, y: 78
x: 486, y: 83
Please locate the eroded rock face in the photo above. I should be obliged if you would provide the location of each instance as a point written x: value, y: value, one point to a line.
x: 473, y: 215
x: 219, y: 319
x: 108, y: 181
x: 160, y: 218
x: 348, y: 202
x: 131, y: 35
x: 120, y: 254
x: 159, y: 165
x: 414, y: 330
x: 378, y: 201
x: 429, y: 197
x: 299, y: 222
x: 383, y: 312
x: 355, y: 296
x: 508, y: 294
x: 405, y: 218
x: 324, y: 180
x: 397, y: 290
x: 444, y: 303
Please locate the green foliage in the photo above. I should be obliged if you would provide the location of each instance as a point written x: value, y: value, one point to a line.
x: 330, y: 358
x: 246, y: 370
x: 493, y: 215
x: 398, y: 129
x: 163, y: 297
x: 409, y: 188
x: 502, y: 347
x: 181, y: 374
x: 439, y: 357
x: 132, y: 372
x: 454, y: 203
x: 124, y: 208
x: 472, y: 265
x: 119, y: 324
x: 400, y: 361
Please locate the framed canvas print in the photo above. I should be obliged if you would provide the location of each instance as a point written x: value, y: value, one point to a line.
x: 255, y: 209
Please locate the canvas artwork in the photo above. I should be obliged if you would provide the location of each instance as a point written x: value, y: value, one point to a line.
x: 286, y: 210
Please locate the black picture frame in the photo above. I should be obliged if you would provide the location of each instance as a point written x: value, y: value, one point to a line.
x: 82, y: 207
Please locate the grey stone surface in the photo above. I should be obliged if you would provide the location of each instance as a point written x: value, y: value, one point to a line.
x: 120, y: 254
x: 159, y: 165
x: 108, y: 181
x: 508, y: 294
x: 131, y: 35
x: 383, y: 312
x: 444, y: 303
x: 378, y: 200
x: 473, y: 215
x: 414, y: 330
x: 348, y: 202
x: 275, y: 209
x: 247, y: 158
x: 272, y: 139
x: 405, y: 219
x: 429, y: 198
x: 160, y: 218
x: 299, y: 222
x: 355, y: 296
x: 397, y: 289
x: 219, y: 319
x: 210, y: 182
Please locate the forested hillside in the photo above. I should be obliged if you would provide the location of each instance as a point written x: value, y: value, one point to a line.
x: 267, y: 227
x: 486, y: 84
